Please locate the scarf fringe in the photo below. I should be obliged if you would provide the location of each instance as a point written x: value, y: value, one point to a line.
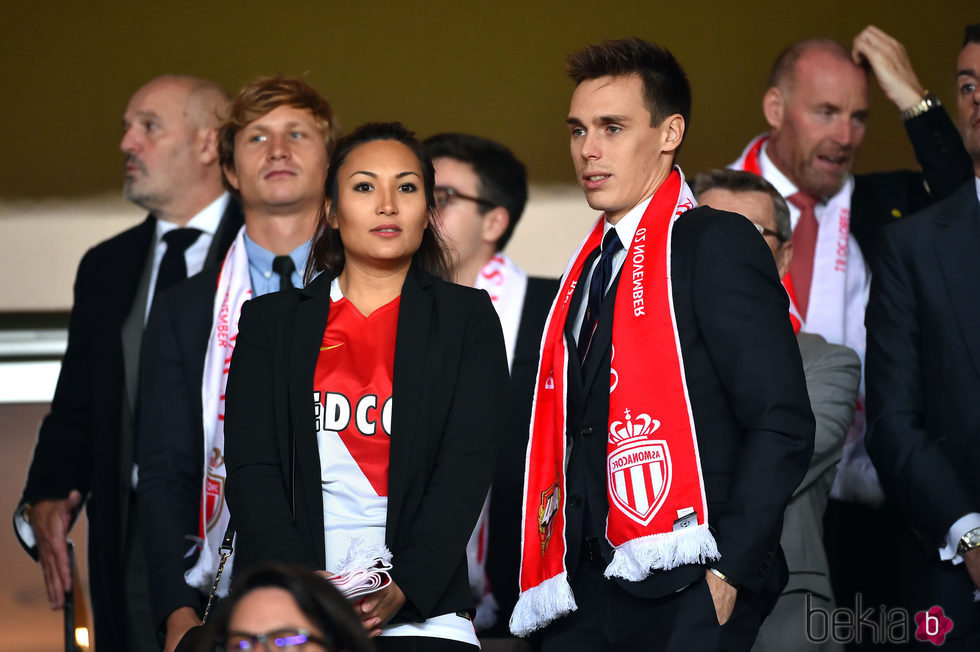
x: 633, y: 560
x: 361, y: 556
x: 541, y: 604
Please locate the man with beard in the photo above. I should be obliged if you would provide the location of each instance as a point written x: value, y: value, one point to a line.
x: 85, y: 448
x: 817, y: 106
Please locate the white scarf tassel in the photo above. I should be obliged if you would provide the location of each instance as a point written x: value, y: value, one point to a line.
x: 633, y: 560
x: 541, y: 604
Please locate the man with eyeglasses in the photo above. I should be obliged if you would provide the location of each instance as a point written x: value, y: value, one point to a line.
x: 481, y: 190
x: 833, y: 373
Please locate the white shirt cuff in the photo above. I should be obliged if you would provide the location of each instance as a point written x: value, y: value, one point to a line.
x: 963, y: 525
x: 24, y: 529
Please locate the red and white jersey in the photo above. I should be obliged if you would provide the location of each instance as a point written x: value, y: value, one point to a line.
x: 352, y: 388
x: 352, y: 395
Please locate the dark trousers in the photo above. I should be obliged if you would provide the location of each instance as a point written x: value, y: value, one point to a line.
x: 141, y: 632
x: 858, y: 563
x: 609, y: 618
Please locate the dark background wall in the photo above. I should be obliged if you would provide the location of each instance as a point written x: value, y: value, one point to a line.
x: 68, y: 68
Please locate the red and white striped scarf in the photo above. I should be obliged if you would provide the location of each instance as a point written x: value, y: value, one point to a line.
x: 234, y: 289
x: 749, y: 162
x: 658, y: 517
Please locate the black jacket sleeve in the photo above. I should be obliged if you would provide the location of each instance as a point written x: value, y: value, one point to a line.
x: 258, y: 476
x: 170, y: 455
x: 914, y: 469
x: 743, y: 316
x: 435, y: 539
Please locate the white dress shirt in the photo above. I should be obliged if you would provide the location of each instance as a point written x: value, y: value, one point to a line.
x: 625, y: 230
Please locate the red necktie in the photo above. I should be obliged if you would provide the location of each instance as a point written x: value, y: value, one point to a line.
x: 804, y: 245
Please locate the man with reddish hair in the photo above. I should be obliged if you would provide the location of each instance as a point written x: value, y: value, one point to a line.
x: 274, y: 146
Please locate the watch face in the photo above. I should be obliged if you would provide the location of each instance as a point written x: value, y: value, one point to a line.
x: 970, y: 540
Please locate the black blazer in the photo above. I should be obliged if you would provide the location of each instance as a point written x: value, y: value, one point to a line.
x: 880, y: 198
x: 923, y: 364
x: 450, y: 395
x: 170, y: 433
x: 78, y: 445
x: 748, y: 394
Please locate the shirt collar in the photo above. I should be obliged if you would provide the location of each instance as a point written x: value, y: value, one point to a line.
x: 774, y: 175
x: 336, y: 294
x: 207, y: 220
x: 626, y: 227
x: 261, y: 259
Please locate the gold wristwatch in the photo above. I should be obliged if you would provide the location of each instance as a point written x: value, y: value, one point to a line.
x: 927, y: 102
x: 969, y: 541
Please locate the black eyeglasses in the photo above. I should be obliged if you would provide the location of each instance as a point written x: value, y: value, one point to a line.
x: 288, y: 640
x: 445, y: 194
x: 764, y: 231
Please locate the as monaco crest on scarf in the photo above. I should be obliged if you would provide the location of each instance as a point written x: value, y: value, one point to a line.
x: 214, y: 490
x: 639, y: 468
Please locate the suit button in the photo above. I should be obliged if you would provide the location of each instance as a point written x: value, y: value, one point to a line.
x: 575, y: 500
x: 586, y: 431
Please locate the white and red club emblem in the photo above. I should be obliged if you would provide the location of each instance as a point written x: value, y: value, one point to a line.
x: 639, y: 468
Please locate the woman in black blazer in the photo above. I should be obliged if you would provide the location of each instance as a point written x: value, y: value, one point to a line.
x: 295, y: 462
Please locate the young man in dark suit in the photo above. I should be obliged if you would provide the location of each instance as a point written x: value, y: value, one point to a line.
x: 675, y: 341
x: 481, y: 190
x: 923, y: 382
x: 274, y: 146
x: 85, y: 450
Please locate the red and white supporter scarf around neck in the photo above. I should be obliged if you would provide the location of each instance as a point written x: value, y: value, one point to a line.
x: 658, y: 517
x: 838, y: 294
x: 506, y: 283
x: 837, y: 263
x: 234, y: 289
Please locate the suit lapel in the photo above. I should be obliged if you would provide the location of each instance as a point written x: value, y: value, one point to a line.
x: 574, y: 388
x: 231, y: 222
x: 957, y: 248
x: 307, y: 335
x: 414, y: 317
x: 132, y: 329
x: 135, y: 262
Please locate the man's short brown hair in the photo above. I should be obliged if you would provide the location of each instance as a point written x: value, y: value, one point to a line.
x: 263, y: 95
x: 666, y: 90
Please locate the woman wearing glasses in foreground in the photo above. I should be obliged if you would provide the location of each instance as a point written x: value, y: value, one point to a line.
x: 365, y: 408
x: 275, y: 607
